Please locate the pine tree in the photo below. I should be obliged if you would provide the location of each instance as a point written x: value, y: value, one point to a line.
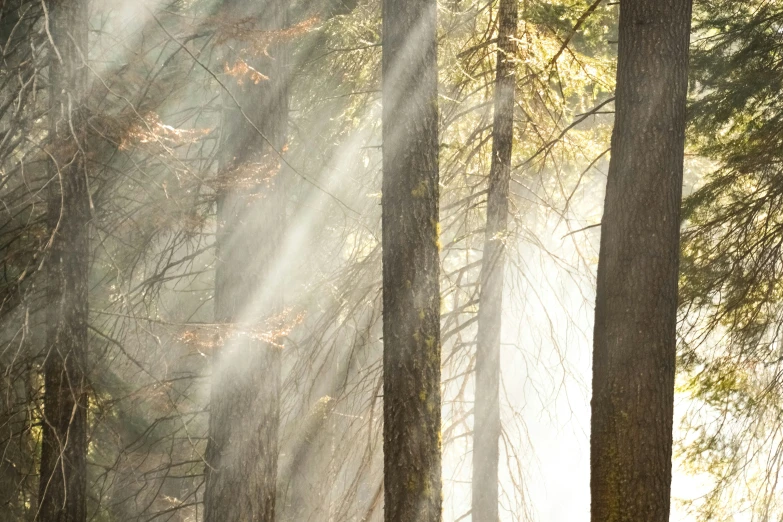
x: 636, y: 302
x: 242, y: 450
x: 487, y: 424
x: 731, y: 258
x: 63, y: 480
x: 411, y: 288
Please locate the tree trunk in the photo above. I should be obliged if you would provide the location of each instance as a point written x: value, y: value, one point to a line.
x: 411, y: 287
x: 242, y: 449
x: 486, y: 427
x: 62, y: 489
x: 636, y: 302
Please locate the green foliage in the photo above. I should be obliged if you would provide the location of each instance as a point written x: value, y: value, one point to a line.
x: 732, y: 260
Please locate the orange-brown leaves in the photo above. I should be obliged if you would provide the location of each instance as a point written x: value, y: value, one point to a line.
x: 255, y: 41
x: 273, y: 330
x: 241, y: 70
x: 153, y: 130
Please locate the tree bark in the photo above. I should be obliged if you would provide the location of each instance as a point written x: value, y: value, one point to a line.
x: 63, y: 481
x: 636, y: 302
x: 411, y: 287
x: 486, y: 427
x: 242, y: 450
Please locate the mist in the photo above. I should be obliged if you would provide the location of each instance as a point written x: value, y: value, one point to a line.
x: 206, y: 203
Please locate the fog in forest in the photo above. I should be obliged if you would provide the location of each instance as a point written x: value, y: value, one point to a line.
x: 269, y: 260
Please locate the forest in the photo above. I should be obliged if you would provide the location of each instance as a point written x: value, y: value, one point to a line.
x: 391, y: 260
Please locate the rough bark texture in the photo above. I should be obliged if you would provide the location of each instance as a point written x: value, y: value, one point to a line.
x: 411, y: 289
x: 242, y: 450
x: 63, y: 479
x: 635, y: 317
x: 486, y: 430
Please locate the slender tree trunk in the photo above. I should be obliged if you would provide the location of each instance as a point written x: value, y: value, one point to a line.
x: 636, y: 303
x: 242, y: 449
x: 411, y: 287
x: 62, y: 489
x: 486, y: 429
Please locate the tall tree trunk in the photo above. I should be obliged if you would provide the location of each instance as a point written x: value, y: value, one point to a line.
x: 62, y: 490
x: 486, y: 427
x: 411, y: 287
x: 242, y: 449
x: 636, y: 303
